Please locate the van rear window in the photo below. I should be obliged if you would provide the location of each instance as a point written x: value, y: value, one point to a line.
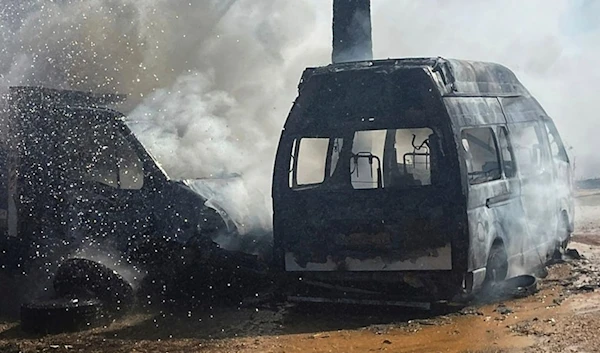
x: 366, y: 159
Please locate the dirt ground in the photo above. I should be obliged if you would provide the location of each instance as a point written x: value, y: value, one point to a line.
x: 561, y: 317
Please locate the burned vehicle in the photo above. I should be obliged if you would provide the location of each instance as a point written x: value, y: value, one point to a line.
x: 75, y: 180
x: 410, y: 181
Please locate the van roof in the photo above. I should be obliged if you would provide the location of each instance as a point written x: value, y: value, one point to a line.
x: 454, y: 77
x: 45, y: 96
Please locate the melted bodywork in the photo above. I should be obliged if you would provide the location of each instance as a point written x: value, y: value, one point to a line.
x: 371, y: 184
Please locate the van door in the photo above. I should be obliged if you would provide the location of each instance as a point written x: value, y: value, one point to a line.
x: 106, y: 178
x: 491, y: 195
x: 563, y: 177
x: 537, y: 192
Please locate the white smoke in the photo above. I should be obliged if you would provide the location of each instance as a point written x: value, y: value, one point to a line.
x: 551, y: 47
x: 210, y: 82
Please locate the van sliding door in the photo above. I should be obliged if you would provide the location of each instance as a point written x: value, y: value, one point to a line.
x: 537, y: 189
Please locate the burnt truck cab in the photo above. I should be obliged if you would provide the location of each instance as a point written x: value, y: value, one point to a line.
x: 75, y: 180
x: 394, y: 181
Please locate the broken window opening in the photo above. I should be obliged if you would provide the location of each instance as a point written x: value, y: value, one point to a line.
x: 366, y: 159
x: 309, y: 168
x: 507, y: 154
x: 481, y: 155
x: 367, y: 147
x: 557, y: 148
x: 96, y: 153
x: 529, y: 154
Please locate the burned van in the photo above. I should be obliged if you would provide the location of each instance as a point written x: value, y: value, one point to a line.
x: 74, y: 179
x: 414, y: 180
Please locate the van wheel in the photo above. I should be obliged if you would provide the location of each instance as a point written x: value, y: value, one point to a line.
x: 61, y: 315
x: 564, y: 237
x: 497, y: 265
x: 82, y: 277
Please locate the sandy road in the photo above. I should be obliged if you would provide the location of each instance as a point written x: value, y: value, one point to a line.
x: 561, y: 317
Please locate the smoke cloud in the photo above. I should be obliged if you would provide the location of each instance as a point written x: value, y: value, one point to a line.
x: 210, y: 82
x: 551, y: 48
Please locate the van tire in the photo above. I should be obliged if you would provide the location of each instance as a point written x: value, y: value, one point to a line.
x: 81, y: 277
x: 497, y: 265
x: 61, y: 315
x: 564, y: 237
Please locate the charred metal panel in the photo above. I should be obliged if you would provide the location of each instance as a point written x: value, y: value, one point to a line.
x: 453, y: 77
x: 431, y: 259
x: 484, y: 79
x: 492, y: 206
x: 334, y: 100
x: 379, y: 285
x: 564, y: 176
x: 474, y: 111
x: 522, y: 109
x: 409, y: 226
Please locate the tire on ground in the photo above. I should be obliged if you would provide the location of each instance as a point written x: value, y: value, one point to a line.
x: 89, y: 279
x: 61, y: 315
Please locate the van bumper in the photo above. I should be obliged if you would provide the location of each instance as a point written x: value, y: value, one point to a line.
x: 371, y: 287
x: 371, y: 302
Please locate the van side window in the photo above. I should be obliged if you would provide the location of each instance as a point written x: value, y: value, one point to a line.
x: 98, y: 153
x: 506, y: 153
x: 89, y: 153
x: 481, y: 155
x: 528, y: 148
x: 557, y: 149
x: 101, y: 165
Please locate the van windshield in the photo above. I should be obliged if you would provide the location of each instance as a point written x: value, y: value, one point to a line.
x: 365, y: 159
